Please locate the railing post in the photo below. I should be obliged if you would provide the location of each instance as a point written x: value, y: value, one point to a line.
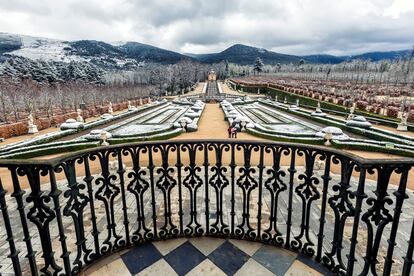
x: 88, y: 180
x: 55, y: 194
x: 259, y: 203
x: 326, y: 178
x: 152, y: 185
x: 292, y: 172
x: 232, y: 168
x: 121, y: 172
x: 360, y: 195
x: 207, y: 200
x: 18, y: 195
x: 400, y: 197
x: 408, y: 259
x: 179, y: 166
x: 14, y: 254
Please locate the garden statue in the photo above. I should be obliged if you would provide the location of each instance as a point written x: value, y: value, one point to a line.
x: 79, y: 118
x: 110, y: 110
x: 328, y: 138
x: 32, y: 128
x: 104, y: 137
x: 285, y: 101
x: 297, y: 102
x: 351, y: 113
x: 149, y: 100
x: 140, y: 101
x: 276, y: 98
x: 403, y: 125
x: 318, y: 112
x: 318, y: 107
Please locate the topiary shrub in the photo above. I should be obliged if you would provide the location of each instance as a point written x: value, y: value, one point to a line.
x: 411, y: 116
x: 393, y: 111
x: 362, y: 105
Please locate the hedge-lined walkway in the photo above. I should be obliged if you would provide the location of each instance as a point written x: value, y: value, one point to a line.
x: 213, y: 126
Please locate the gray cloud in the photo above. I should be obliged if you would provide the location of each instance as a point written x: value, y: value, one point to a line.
x: 290, y: 26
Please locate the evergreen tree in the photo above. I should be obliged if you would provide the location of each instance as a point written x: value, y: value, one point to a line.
x: 258, y: 65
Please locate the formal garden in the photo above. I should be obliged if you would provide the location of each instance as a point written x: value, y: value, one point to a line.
x: 98, y: 191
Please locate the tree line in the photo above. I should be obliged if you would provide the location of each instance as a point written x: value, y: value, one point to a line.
x: 33, y: 86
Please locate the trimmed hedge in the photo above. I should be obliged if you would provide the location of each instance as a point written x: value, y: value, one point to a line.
x: 50, y: 151
x: 162, y: 136
x: 373, y: 148
x: 48, y: 138
x: 336, y: 144
x: 288, y: 134
x: 378, y: 135
x: 312, y: 103
x: 305, y: 140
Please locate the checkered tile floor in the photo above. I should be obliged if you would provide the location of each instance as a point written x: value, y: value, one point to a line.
x: 205, y: 256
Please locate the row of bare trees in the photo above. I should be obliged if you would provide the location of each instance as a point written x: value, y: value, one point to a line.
x: 25, y: 96
x: 172, y: 79
x: 399, y: 71
x: 22, y: 94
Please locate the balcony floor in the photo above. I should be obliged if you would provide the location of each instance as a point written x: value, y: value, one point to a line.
x: 205, y: 256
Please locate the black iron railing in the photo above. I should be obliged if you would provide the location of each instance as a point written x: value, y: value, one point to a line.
x: 340, y: 210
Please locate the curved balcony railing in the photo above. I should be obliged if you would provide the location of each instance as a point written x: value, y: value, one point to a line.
x: 352, y: 215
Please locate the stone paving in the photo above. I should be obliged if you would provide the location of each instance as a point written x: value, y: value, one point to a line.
x: 402, y: 237
x: 205, y: 256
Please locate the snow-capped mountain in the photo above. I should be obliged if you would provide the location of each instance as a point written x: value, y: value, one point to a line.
x: 51, y: 60
x: 121, y: 55
x: 36, y: 48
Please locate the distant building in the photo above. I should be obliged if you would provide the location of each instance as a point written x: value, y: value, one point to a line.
x: 212, y: 76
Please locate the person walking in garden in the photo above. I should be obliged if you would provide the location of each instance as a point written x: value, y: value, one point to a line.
x: 229, y: 131
x: 234, y: 132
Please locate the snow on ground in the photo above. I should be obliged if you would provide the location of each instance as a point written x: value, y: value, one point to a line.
x: 131, y: 130
x: 290, y: 128
x: 40, y: 48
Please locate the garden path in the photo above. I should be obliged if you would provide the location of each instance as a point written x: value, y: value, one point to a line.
x: 212, y: 125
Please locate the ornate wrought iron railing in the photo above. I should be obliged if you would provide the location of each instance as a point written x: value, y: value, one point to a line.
x: 352, y: 215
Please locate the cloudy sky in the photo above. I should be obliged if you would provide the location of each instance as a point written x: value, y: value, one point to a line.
x: 195, y: 26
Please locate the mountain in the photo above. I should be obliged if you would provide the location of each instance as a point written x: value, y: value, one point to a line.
x: 242, y: 54
x: 147, y: 52
x: 130, y: 55
x: 126, y: 55
x: 325, y: 59
x: 9, y: 43
x: 378, y: 56
x: 372, y: 56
